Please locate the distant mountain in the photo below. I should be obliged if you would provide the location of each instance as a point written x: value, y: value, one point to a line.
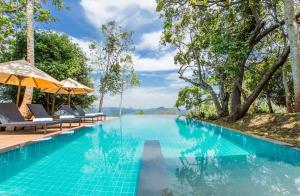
x: 114, y: 111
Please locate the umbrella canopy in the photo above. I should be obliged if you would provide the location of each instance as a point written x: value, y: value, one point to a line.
x: 22, y: 73
x: 69, y: 87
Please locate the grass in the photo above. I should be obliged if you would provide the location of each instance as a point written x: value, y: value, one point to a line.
x: 282, y: 127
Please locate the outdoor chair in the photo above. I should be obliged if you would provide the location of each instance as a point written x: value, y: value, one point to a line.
x: 10, y: 116
x: 68, y: 110
x: 39, y: 111
x: 81, y: 112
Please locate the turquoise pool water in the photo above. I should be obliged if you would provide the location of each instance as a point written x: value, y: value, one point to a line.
x: 201, y: 159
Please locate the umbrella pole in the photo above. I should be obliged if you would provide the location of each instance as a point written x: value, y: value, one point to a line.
x: 69, y: 99
x: 53, y: 104
x: 18, y: 94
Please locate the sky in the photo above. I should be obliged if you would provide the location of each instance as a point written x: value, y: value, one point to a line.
x: 154, y: 64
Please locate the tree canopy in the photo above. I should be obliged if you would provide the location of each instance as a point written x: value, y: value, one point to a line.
x: 229, y: 49
x: 58, y: 56
x: 112, y: 59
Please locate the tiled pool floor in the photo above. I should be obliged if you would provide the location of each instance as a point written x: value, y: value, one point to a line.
x: 80, y: 167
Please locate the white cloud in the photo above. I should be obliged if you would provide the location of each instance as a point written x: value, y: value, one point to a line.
x: 150, y: 41
x: 83, y: 44
x: 156, y: 63
x: 123, y: 11
x: 148, y: 97
x: 163, y: 62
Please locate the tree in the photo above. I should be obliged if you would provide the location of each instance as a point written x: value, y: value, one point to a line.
x: 224, y: 39
x: 287, y: 88
x: 106, y: 56
x: 293, y: 35
x: 186, y: 29
x: 127, y: 77
x: 58, y: 56
x: 33, y: 7
x: 27, y: 98
x: 190, y: 98
x: 13, y: 20
x: 273, y: 92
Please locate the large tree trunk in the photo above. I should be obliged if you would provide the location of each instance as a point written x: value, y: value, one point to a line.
x: 287, y: 91
x: 236, y: 95
x: 224, y: 98
x: 102, y: 93
x: 269, y: 103
x: 263, y: 82
x: 27, y: 99
x: 101, y: 102
x: 294, y: 39
x: 224, y: 104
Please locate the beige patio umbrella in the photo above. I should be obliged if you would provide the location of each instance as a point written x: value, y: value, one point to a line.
x: 22, y: 73
x: 69, y: 87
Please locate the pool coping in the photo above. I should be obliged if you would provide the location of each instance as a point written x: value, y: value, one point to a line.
x: 278, y: 142
x: 50, y: 135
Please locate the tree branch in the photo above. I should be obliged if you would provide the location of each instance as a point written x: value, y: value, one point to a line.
x: 272, y: 28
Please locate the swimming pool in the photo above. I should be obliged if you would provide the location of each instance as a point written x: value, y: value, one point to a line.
x: 200, y: 158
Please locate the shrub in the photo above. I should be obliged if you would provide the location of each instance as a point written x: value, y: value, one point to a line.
x: 141, y: 112
x: 212, y: 117
x: 262, y: 109
x: 202, y: 114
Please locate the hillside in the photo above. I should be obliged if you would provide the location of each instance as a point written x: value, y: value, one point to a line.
x: 114, y: 111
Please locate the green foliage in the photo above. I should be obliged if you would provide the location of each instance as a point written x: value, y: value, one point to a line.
x: 189, y: 98
x: 262, y: 109
x: 126, y: 76
x: 58, y: 56
x: 225, y: 45
x: 206, y: 111
x: 110, y: 55
x: 141, y: 112
x: 12, y: 20
x: 212, y: 117
x: 202, y: 114
x: 196, y: 103
x: 274, y: 88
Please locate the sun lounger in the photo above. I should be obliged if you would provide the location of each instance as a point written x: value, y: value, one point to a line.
x: 82, y: 113
x: 10, y: 116
x: 39, y: 112
x: 68, y: 110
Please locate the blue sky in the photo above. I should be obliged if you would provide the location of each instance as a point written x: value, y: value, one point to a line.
x: 154, y: 63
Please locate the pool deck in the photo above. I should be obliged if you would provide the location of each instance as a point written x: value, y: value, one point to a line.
x: 10, y: 140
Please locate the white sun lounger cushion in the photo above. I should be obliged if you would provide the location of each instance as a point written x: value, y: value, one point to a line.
x: 89, y: 115
x: 99, y: 113
x: 42, y: 119
x: 66, y: 116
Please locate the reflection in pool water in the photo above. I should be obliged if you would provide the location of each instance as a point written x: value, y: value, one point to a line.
x: 205, y: 169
